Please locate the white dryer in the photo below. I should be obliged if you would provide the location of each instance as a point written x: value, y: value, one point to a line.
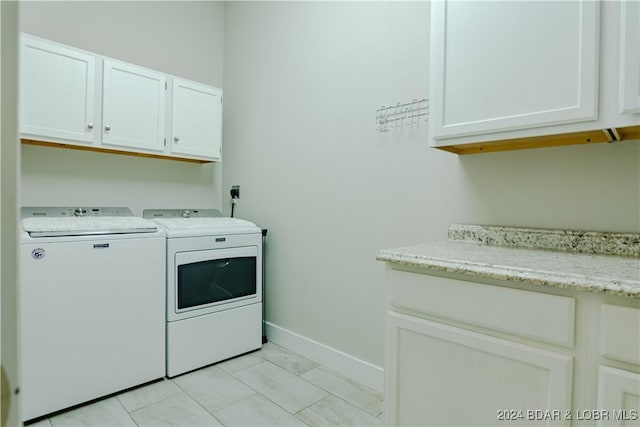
x: 91, y: 303
x: 214, y: 286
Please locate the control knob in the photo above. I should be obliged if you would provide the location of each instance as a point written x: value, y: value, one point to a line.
x: 80, y: 212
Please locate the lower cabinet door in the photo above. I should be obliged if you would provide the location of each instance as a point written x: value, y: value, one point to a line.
x: 618, y: 397
x: 437, y: 374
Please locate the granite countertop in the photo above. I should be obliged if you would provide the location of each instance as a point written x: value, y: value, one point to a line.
x: 588, y: 261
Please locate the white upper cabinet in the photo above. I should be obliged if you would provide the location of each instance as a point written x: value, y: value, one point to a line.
x: 507, y: 75
x: 133, y: 106
x: 629, y: 83
x: 498, y: 66
x: 70, y: 97
x: 57, y: 92
x: 196, y: 119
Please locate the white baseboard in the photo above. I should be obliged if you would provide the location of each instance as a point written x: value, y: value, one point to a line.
x: 345, y: 364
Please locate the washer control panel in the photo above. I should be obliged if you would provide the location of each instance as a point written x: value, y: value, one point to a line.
x: 63, y: 211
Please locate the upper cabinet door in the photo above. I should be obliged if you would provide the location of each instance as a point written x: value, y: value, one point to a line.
x: 197, y: 119
x: 498, y: 66
x: 57, y: 90
x: 629, y: 95
x: 133, y: 106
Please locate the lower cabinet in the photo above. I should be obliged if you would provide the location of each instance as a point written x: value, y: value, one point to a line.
x: 444, y: 375
x: 619, y: 389
x: 462, y: 352
x: 619, y: 395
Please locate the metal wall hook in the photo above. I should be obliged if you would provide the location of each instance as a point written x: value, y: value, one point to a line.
x: 395, y: 115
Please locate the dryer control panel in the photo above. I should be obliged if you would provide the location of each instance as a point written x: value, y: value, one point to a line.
x: 181, y: 213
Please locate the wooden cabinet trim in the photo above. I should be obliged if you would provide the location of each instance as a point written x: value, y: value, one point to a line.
x: 574, y: 138
x: 110, y: 151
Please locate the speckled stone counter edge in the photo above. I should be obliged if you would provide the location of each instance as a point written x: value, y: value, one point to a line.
x: 626, y: 244
x: 560, y: 280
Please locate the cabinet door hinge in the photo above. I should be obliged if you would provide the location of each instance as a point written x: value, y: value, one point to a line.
x: 165, y: 142
x: 165, y: 85
x: 612, y: 134
x: 220, y: 100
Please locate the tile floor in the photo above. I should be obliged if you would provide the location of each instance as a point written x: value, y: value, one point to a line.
x: 269, y: 387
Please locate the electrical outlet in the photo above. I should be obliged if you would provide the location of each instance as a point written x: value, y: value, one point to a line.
x: 235, y: 192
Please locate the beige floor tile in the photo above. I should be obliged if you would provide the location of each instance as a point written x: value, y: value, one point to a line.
x: 180, y: 411
x: 148, y: 394
x: 242, y: 362
x: 42, y: 423
x: 256, y: 410
x: 282, y: 387
x: 333, y: 411
x: 286, y: 359
x: 357, y: 394
x: 213, y: 388
x: 107, y: 412
x: 262, y: 388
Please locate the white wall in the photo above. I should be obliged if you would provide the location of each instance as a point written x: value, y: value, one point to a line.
x: 9, y: 170
x: 182, y: 38
x: 302, y: 83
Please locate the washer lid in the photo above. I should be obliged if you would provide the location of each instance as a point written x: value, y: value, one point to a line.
x: 86, y: 226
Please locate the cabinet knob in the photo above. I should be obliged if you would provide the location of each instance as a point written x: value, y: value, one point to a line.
x: 176, y: 139
x: 90, y: 125
x: 107, y: 128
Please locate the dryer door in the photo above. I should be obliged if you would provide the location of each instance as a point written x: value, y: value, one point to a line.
x: 214, y: 280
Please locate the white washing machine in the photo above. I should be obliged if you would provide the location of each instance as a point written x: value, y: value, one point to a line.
x: 214, y: 286
x: 91, y: 302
